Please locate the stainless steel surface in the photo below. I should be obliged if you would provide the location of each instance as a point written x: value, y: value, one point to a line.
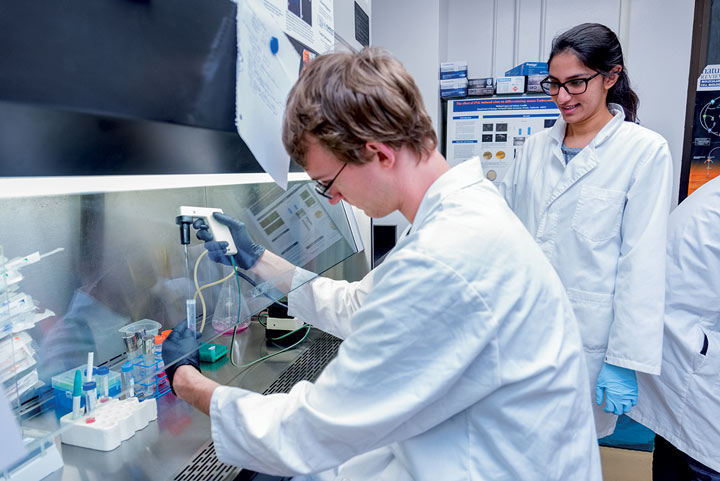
x: 122, y: 261
x: 161, y: 449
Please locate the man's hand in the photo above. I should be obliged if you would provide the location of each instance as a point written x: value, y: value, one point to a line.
x: 180, y: 344
x: 248, y: 251
x: 619, y: 385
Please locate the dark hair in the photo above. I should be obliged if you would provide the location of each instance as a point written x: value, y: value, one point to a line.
x: 598, y: 48
x: 347, y: 99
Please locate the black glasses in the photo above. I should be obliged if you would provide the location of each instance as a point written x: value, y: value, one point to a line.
x: 575, y: 86
x: 322, y: 189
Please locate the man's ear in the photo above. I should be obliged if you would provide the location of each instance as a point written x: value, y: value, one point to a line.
x: 382, y: 152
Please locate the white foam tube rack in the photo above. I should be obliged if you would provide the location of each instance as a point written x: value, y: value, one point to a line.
x: 109, y: 424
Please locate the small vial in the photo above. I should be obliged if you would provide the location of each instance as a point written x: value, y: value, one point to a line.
x: 158, y: 353
x: 90, y: 390
x: 190, y: 314
x: 128, y: 379
x: 103, y: 373
x: 148, y: 367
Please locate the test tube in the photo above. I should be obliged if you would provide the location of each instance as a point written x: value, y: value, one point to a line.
x: 190, y: 314
x: 103, y: 373
x: 128, y: 379
x: 158, y: 353
x: 150, y: 365
x: 90, y: 390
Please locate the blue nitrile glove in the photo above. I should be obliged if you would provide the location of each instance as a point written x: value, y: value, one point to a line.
x: 181, y: 343
x: 248, y: 251
x: 619, y: 385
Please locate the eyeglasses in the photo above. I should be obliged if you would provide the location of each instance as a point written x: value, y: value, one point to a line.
x: 322, y: 189
x: 575, y: 86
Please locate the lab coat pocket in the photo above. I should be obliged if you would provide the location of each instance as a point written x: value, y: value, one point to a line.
x: 598, y: 213
x: 708, y: 365
x: 594, y: 315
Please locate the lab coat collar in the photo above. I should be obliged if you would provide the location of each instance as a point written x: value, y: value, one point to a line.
x: 467, y: 173
x: 557, y: 133
x: 587, y: 159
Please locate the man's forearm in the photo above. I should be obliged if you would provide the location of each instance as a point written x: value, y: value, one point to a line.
x: 275, y: 269
x: 194, y: 388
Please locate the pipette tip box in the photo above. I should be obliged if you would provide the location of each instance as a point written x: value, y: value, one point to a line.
x: 63, y: 388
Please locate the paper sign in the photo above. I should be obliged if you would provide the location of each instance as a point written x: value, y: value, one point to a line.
x: 267, y: 67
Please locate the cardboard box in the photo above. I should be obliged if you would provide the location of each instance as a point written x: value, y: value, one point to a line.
x: 453, y: 70
x: 528, y: 68
x: 533, y: 83
x: 510, y: 85
x: 481, y: 86
x: 453, y: 87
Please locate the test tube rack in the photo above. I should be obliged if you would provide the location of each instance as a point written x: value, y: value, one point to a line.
x: 159, y: 385
x: 110, y: 424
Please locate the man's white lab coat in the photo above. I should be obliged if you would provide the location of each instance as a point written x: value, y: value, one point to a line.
x: 682, y: 404
x: 461, y: 360
x: 601, y: 220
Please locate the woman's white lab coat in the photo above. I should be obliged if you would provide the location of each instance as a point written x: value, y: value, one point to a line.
x: 601, y: 220
x: 461, y: 361
x: 682, y: 404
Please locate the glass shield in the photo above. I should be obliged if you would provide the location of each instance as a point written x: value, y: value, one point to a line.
x: 110, y: 276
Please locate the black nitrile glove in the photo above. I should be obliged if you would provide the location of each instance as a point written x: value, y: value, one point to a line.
x: 248, y: 251
x: 181, y: 343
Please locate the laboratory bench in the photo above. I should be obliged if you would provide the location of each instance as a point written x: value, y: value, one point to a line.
x: 178, y: 445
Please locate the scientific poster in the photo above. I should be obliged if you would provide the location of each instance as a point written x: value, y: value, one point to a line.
x: 705, y: 150
x: 294, y: 224
x: 310, y: 22
x: 495, y: 129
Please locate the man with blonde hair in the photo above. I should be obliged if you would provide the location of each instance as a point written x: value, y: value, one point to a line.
x: 461, y: 358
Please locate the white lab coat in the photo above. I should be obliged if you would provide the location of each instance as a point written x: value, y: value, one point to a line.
x: 602, y: 223
x: 682, y: 404
x: 461, y: 360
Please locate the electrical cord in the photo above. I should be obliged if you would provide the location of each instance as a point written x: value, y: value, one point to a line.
x: 232, y: 343
x: 238, y: 275
x: 236, y: 272
x: 254, y: 284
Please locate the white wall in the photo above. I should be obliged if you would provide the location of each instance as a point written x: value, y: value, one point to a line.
x: 655, y: 34
x: 658, y: 51
x: 415, y: 32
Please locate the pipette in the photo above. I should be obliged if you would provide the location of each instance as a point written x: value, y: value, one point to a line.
x: 77, y: 393
x: 90, y: 366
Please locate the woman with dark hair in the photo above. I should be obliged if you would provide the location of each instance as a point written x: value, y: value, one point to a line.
x: 594, y: 191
